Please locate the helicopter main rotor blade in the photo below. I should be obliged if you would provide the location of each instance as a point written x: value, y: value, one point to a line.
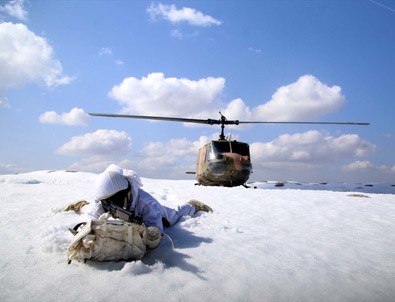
x: 311, y: 123
x: 159, y: 118
x: 221, y: 121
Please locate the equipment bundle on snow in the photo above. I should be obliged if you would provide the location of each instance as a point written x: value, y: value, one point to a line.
x: 108, y: 240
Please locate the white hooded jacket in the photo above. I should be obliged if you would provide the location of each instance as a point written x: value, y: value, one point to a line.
x: 144, y: 204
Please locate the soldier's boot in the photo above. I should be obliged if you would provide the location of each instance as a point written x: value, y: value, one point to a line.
x: 75, y: 206
x: 200, y: 206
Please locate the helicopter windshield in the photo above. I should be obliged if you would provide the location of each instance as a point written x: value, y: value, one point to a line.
x: 220, y: 147
x: 240, y: 148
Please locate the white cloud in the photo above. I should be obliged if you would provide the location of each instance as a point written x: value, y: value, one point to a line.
x: 306, y: 98
x: 185, y: 14
x: 168, y: 152
x: 76, y: 117
x: 157, y: 95
x: 290, y: 156
x: 157, y: 159
x: 26, y: 57
x: 102, y: 143
x: 10, y: 168
x: 367, y: 166
x: 237, y: 109
x: 311, y: 147
x: 90, y: 164
x: 256, y: 50
x: 358, y: 166
x: 15, y: 9
x: 169, y: 160
x: 105, y: 51
x: 174, y: 148
x: 4, y: 102
x: 176, y: 33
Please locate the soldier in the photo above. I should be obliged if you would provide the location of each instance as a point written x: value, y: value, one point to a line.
x: 119, y: 194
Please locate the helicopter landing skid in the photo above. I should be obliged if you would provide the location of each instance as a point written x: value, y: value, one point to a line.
x: 248, y: 187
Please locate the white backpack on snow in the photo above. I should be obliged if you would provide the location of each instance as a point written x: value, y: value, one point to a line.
x: 108, y: 240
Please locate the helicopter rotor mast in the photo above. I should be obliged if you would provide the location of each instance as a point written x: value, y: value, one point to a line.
x: 223, y: 121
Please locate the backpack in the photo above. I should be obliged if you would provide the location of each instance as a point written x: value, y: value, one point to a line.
x: 108, y: 240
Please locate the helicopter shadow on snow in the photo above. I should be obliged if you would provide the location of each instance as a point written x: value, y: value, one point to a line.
x: 168, y: 252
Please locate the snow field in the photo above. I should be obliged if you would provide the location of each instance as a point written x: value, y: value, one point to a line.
x: 257, y: 245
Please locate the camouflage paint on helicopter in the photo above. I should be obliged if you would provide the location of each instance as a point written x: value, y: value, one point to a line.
x: 224, y: 163
x: 221, y: 162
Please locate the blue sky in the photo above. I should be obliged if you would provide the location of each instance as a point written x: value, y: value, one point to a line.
x: 251, y: 60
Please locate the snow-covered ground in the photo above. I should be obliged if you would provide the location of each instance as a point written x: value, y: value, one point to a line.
x: 258, y: 245
x: 380, y: 188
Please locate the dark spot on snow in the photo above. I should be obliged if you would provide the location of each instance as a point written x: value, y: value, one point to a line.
x: 27, y: 182
x: 358, y: 195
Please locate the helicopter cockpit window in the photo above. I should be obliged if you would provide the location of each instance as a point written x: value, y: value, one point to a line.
x: 217, y: 148
x: 210, y: 154
x: 240, y: 148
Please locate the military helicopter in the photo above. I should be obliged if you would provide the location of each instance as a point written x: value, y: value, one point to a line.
x: 221, y: 162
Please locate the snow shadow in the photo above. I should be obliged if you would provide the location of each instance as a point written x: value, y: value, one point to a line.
x: 164, y: 253
x: 106, y: 265
x: 183, y: 238
x: 170, y: 256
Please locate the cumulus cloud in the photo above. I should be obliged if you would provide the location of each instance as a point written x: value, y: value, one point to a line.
x: 311, y: 147
x: 308, y: 152
x: 102, y: 143
x: 237, y: 109
x: 174, y: 148
x: 157, y: 95
x: 92, y: 164
x: 367, y: 166
x: 185, y: 14
x: 360, y: 166
x: 26, y: 57
x: 76, y: 117
x: 169, y: 159
x: 168, y: 152
x: 156, y: 159
x: 306, y: 98
x: 15, y: 9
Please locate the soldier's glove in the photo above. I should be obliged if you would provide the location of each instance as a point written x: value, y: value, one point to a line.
x: 200, y: 206
x: 153, y: 237
x: 75, y: 206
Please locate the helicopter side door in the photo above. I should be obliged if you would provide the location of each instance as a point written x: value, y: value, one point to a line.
x: 200, y: 163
